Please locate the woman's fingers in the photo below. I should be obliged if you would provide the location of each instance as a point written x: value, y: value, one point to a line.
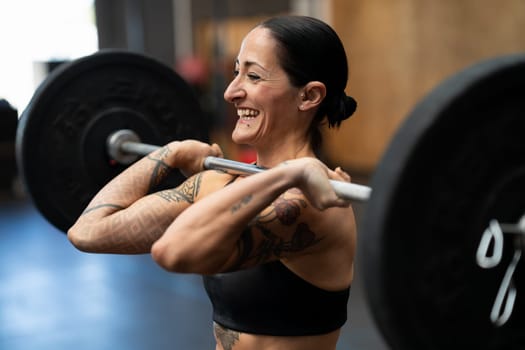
x: 344, y: 176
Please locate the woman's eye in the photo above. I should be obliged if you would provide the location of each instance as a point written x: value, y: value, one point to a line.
x: 253, y: 76
x: 235, y: 73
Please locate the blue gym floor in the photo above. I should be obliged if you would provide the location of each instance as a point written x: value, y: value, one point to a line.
x: 55, y: 297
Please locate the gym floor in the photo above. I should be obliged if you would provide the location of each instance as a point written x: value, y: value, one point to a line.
x: 55, y: 297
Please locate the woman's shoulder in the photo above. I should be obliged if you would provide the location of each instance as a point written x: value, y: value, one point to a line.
x: 210, y: 181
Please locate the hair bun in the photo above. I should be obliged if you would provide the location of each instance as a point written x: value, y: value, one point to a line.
x: 349, y: 106
x: 343, y: 108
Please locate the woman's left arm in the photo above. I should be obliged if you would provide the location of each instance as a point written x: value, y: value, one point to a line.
x: 207, y: 245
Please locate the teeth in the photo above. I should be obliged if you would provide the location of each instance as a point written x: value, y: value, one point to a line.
x: 247, y: 113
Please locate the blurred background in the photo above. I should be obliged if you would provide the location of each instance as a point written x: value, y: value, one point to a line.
x: 398, y: 50
x: 52, y: 297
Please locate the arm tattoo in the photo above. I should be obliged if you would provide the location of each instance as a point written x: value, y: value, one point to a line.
x: 274, y: 246
x: 186, y: 192
x: 285, y: 210
x: 270, y: 245
x: 102, y: 206
x: 245, y: 200
x: 173, y: 195
x: 161, y: 169
x: 226, y: 337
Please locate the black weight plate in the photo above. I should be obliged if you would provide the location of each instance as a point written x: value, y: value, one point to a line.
x: 61, y: 137
x: 456, y: 162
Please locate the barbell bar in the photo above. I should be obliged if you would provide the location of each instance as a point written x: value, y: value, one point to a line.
x: 456, y: 163
x: 124, y: 145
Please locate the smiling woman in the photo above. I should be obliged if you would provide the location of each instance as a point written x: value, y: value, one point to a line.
x: 299, y: 61
x: 275, y: 249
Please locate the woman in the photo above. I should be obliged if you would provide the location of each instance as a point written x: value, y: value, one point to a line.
x: 275, y: 249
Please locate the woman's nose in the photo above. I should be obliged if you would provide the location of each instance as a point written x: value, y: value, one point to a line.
x: 234, y: 92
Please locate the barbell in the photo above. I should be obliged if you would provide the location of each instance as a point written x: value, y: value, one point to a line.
x: 439, y: 270
x: 124, y: 146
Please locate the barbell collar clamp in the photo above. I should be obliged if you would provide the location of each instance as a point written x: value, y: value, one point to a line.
x: 117, y: 145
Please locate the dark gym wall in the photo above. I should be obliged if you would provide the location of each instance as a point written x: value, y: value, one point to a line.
x: 8, y: 125
x: 144, y: 26
x: 205, y: 9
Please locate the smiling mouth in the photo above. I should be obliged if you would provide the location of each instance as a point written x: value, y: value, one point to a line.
x: 246, y: 114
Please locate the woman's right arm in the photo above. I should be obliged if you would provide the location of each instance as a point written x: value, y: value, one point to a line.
x: 123, y: 218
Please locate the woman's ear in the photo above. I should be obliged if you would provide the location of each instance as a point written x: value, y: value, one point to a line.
x: 312, y: 95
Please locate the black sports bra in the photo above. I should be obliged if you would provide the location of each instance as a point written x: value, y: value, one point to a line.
x: 270, y: 299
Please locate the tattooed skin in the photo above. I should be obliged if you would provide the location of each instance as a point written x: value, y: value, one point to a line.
x: 186, y: 192
x: 102, y: 206
x: 161, y: 169
x: 226, y: 337
x: 274, y: 246
x: 286, y: 211
x: 245, y: 200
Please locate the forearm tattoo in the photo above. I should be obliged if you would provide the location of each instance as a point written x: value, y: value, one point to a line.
x: 159, y: 173
x: 226, y: 337
x: 258, y: 243
x: 161, y: 169
x: 87, y: 210
x: 245, y: 200
x: 186, y: 192
x: 137, y: 232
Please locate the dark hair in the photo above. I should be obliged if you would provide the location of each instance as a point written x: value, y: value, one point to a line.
x: 310, y: 50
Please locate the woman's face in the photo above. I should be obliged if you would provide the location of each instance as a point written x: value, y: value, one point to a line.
x: 266, y: 102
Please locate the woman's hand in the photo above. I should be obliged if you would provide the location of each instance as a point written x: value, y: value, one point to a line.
x: 190, y: 155
x: 313, y: 180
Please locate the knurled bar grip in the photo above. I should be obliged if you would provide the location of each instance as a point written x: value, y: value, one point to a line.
x: 124, y: 142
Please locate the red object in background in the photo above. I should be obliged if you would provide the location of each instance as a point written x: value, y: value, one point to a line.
x: 193, y: 69
x: 247, y: 155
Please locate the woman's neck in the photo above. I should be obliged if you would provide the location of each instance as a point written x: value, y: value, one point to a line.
x: 270, y: 158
